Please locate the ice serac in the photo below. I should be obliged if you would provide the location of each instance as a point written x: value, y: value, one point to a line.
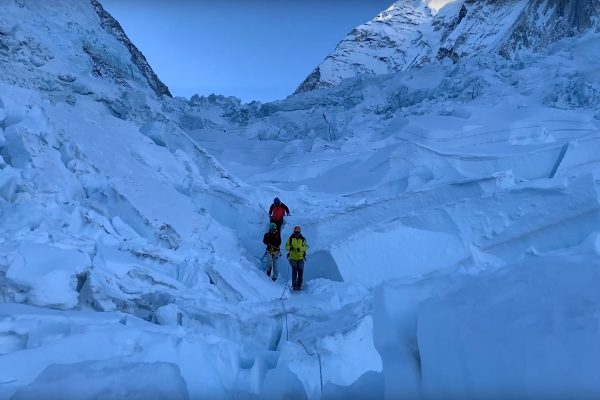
x: 382, y: 45
x: 112, y: 26
x: 409, y: 35
x: 534, y: 337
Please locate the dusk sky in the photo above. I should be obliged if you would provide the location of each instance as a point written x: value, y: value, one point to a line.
x: 251, y: 49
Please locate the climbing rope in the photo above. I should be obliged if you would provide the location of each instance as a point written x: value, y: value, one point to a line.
x: 285, y: 313
x: 287, y: 333
x: 320, y: 365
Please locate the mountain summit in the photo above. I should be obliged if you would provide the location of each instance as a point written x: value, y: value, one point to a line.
x: 380, y: 46
x: 410, y: 34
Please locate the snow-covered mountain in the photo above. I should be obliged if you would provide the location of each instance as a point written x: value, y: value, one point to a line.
x: 82, y: 47
x: 451, y: 210
x: 409, y: 34
x: 383, y: 45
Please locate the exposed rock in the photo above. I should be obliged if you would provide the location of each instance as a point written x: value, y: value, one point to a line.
x: 409, y: 35
x: 112, y: 26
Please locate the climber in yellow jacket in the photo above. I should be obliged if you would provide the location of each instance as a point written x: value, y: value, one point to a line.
x: 296, y: 247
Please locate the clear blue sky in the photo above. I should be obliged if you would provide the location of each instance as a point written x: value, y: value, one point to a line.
x: 251, y: 49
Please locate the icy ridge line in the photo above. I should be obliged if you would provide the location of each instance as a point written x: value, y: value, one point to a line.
x: 111, y: 25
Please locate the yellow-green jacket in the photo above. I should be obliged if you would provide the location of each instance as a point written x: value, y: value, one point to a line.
x: 296, y: 247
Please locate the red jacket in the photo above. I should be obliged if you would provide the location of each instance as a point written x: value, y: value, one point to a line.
x: 278, y: 211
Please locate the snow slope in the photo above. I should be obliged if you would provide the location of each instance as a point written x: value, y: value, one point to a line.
x: 452, y: 215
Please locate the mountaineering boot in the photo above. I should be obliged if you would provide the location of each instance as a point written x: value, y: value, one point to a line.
x: 268, y: 272
x: 274, y: 279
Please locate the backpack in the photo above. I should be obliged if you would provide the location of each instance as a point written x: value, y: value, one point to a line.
x: 278, y: 213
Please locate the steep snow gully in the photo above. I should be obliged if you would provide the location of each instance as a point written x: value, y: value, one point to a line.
x: 451, y: 207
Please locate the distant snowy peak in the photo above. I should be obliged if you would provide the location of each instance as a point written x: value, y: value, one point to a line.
x: 112, y: 26
x: 382, y: 45
x: 409, y: 35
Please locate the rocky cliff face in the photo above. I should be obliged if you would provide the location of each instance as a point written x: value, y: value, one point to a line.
x: 113, y: 27
x: 409, y: 35
x: 544, y: 22
x: 64, y: 48
x: 507, y: 27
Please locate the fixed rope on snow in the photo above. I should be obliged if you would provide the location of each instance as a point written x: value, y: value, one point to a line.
x: 316, y: 353
x: 287, y: 335
x: 285, y: 313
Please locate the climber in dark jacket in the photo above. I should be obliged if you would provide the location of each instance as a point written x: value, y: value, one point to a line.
x: 273, y: 241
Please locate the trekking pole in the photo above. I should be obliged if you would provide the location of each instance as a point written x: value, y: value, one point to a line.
x: 262, y: 208
x: 264, y: 255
